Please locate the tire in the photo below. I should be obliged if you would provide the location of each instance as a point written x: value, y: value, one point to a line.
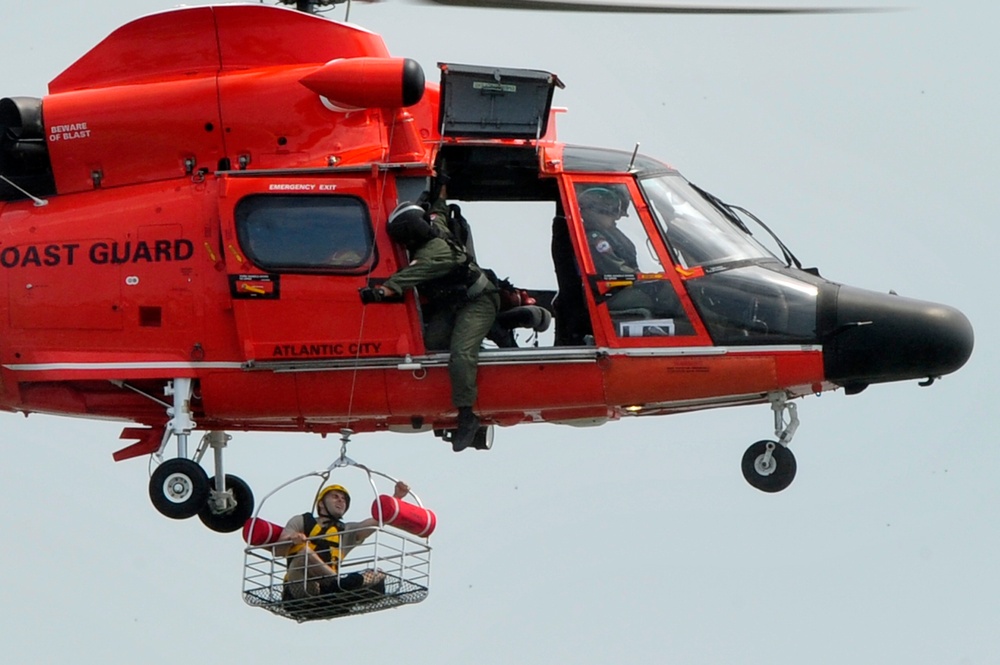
x: 178, y: 488
x: 234, y: 519
x: 778, y: 475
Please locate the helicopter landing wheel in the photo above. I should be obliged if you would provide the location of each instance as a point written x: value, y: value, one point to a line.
x: 769, y: 466
x: 484, y: 438
x: 178, y: 488
x: 238, y: 506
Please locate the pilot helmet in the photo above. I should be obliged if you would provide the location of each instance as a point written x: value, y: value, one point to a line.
x: 334, y: 488
x: 602, y: 200
x: 408, y: 225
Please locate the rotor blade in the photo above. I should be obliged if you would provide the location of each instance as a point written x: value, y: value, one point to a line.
x: 639, y: 8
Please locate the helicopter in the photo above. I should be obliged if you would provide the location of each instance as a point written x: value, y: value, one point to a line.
x: 188, y: 217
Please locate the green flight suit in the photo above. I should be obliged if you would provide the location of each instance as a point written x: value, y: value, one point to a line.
x: 458, y: 324
x: 613, y: 251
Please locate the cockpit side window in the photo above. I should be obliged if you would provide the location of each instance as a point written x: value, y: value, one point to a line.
x: 630, y: 279
x: 306, y: 233
x: 615, y: 236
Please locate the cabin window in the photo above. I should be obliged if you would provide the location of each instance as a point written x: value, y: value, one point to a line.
x: 306, y: 233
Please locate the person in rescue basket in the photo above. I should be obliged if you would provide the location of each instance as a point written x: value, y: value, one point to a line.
x: 314, y: 546
x: 462, y: 300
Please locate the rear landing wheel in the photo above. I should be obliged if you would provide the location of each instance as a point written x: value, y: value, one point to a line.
x: 178, y: 488
x: 769, y: 466
x: 238, y: 510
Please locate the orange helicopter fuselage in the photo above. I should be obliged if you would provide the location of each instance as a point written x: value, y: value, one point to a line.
x: 181, y: 128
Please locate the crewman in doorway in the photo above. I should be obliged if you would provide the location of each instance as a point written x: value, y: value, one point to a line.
x: 462, y: 300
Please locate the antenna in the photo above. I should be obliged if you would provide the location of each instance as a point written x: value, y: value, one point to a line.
x: 635, y: 153
x: 38, y: 202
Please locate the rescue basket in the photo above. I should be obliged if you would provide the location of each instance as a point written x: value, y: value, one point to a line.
x: 388, y: 568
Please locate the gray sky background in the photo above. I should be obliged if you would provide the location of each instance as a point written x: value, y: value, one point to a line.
x: 869, y: 143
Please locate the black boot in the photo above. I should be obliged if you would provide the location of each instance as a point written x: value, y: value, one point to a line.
x: 468, y: 426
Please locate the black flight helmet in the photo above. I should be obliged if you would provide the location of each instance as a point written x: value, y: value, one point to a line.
x: 409, y: 226
x: 604, y: 200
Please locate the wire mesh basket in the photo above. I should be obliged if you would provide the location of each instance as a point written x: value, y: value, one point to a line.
x: 402, y: 563
x: 382, y: 568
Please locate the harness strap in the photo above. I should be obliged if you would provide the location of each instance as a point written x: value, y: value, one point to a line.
x: 478, y: 286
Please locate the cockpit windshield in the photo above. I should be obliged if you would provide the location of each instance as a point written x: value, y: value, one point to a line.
x: 748, y: 295
x: 698, y: 233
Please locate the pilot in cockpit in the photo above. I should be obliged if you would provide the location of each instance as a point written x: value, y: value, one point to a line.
x: 614, y: 253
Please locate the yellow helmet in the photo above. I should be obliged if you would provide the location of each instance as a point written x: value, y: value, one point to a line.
x: 334, y: 488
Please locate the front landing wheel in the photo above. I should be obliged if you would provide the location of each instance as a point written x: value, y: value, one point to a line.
x: 179, y: 488
x: 769, y: 466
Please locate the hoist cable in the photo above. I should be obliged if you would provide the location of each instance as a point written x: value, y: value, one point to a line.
x: 377, y: 210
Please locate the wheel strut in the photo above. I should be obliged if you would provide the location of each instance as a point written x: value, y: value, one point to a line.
x: 782, y: 429
x: 220, y: 500
x: 180, y: 424
x: 230, y: 502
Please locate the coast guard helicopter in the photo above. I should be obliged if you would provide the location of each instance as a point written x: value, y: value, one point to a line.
x: 187, y: 217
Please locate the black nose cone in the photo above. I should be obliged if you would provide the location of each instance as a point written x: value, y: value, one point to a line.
x: 873, y: 337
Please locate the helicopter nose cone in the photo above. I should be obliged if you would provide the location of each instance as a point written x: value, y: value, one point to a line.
x: 873, y: 337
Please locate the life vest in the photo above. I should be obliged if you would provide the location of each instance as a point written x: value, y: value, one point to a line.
x: 324, y: 541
